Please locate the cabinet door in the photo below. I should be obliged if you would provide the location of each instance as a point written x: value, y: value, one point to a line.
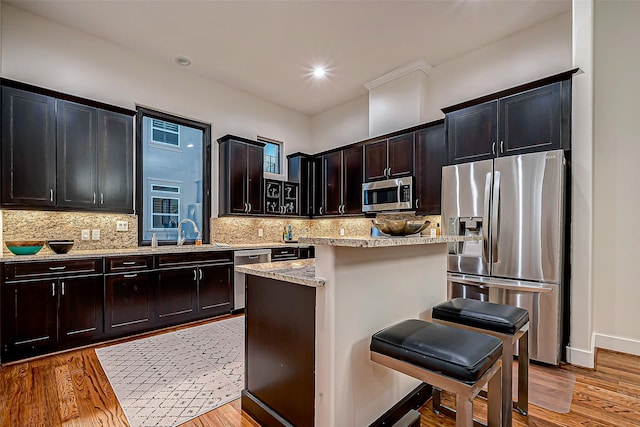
x: 29, y: 318
x: 81, y: 310
x: 214, y: 290
x: 273, y: 197
x: 175, y: 299
x: 76, y: 155
x: 375, y: 160
x: 431, y: 156
x: 352, y: 181
x: 290, y: 198
x: 400, y: 161
x: 255, y: 173
x: 128, y: 303
x: 531, y: 121
x: 332, y: 183
x: 237, y: 186
x: 317, y: 188
x: 472, y: 133
x: 28, y: 148
x: 115, y: 162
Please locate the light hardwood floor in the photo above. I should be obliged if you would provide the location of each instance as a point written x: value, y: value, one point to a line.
x: 71, y: 389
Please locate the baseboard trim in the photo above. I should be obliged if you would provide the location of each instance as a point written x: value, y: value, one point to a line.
x: 260, y: 412
x: 619, y: 344
x: 414, y: 400
x: 581, y: 357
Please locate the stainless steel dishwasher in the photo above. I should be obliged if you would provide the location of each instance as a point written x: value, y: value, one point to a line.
x: 250, y: 256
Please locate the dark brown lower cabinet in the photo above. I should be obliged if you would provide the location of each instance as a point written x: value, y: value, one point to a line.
x: 29, y: 318
x: 175, y: 296
x: 214, y: 290
x: 46, y: 315
x: 128, y: 302
x: 81, y: 313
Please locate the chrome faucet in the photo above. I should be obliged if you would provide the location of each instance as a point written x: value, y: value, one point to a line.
x: 195, y: 228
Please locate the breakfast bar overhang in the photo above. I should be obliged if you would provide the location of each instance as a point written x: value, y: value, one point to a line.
x: 309, y: 327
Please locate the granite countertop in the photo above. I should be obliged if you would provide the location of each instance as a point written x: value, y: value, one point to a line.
x: 302, y: 271
x: 383, y: 242
x: 142, y: 250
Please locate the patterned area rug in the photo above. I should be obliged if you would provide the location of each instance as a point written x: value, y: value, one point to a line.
x: 168, y: 379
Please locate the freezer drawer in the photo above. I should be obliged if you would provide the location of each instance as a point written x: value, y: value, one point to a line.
x: 543, y: 302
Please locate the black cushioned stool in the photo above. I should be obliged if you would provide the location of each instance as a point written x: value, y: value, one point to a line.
x: 448, y: 358
x: 507, y: 322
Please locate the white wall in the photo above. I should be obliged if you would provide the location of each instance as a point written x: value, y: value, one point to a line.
x: 341, y: 125
x: 44, y: 53
x: 537, y: 52
x: 616, y: 195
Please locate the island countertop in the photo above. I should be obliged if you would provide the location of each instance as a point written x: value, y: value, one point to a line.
x: 383, y: 242
x: 301, y: 271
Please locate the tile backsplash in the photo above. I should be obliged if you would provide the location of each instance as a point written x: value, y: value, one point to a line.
x: 47, y: 225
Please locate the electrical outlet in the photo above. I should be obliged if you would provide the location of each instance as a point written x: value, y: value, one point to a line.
x: 85, y: 234
x: 95, y: 234
x: 342, y: 231
x: 122, y: 225
x: 260, y: 232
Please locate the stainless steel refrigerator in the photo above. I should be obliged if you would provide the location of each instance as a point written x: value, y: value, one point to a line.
x: 516, y: 204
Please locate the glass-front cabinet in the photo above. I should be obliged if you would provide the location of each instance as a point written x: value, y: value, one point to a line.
x: 281, y: 198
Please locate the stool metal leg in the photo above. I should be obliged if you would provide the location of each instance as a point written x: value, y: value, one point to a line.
x: 464, y: 410
x: 522, y: 405
x: 507, y: 376
x: 495, y: 390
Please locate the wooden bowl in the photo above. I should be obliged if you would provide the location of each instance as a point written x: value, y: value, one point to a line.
x: 60, y: 246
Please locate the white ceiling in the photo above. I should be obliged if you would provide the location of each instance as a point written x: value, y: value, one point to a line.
x: 268, y: 48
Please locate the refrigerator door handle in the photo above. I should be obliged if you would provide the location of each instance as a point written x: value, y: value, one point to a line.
x: 485, y: 218
x: 495, y: 217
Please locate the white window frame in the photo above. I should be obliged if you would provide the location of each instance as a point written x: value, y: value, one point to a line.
x: 277, y: 176
x: 162, y: 143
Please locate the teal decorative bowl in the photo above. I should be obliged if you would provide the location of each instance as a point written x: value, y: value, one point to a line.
x: 24, y: 247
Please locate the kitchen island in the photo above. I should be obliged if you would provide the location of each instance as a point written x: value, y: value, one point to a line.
x: 308, y: 331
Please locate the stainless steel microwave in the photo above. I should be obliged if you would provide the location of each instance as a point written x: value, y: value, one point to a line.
x: 387, y: 195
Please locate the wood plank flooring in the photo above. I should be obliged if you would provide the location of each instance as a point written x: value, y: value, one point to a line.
x: 71, y: 389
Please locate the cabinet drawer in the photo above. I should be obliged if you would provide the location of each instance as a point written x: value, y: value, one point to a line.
x: 281, y: 254
x: 216, y: 257
x: 30, y: 270
x: 127, y: 263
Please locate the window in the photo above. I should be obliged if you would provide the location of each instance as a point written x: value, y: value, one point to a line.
x: 272, y: 155
x: 165, y: 132
x: 173, y: 177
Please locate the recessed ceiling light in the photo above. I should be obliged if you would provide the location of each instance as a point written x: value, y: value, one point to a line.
x: 183, y: 61
x: 319, y: 72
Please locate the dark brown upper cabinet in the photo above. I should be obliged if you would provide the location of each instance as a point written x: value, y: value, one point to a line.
x: 95, y: 158
x: 430, y: 156
x: 281, y: 198
x: 300, y: 169
x: 528, y: 118
x: 28, y: 148
x: 85, y: 152
x: 389, y: 158
x: 342, y: 174
x: 241, y: 176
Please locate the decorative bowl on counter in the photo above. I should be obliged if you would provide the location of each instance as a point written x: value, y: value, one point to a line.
x: 401, y: 227
x: 24, y: 247
x: 60, y: 246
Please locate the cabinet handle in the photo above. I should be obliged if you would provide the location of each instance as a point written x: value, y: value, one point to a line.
x: 249, y: 207
x: 51, y: 194
x: 493, y: 148
x: 320, y: 210
x: 128, y: 263
x: 53, y: 289
x: 417, y: 203
x: 130, y: 276
x: 195, y: 274
x: 94, y: 198
x: 201, y: 274
x: 501, y: 147
x: 388, y: 172
x: 246, y: 208
x: 62, y: 289
x: 102, y: 198
x: 62, y: 267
